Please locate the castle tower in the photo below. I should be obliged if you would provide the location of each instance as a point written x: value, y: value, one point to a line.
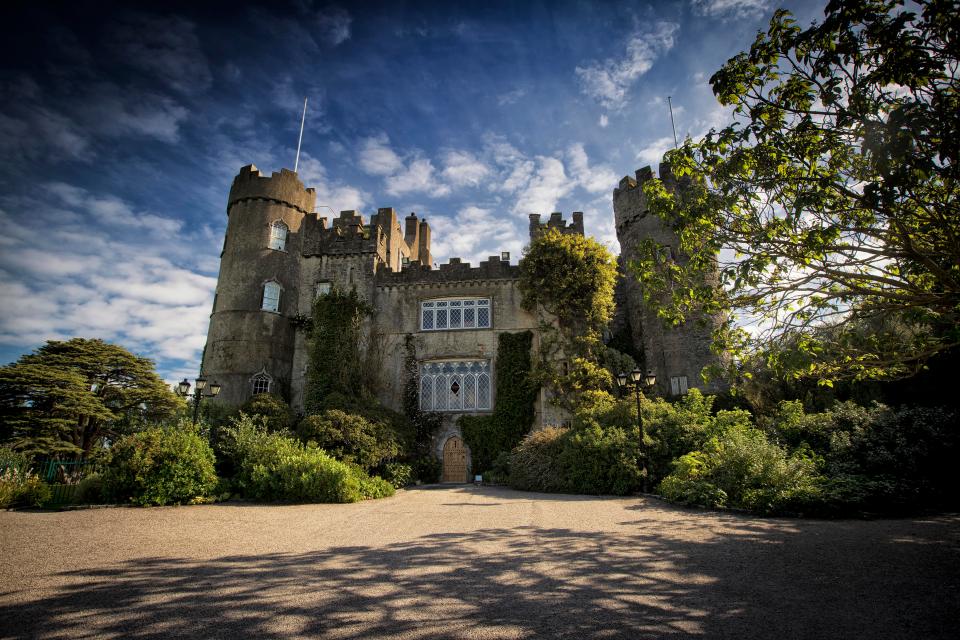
x: 250, y: 343
x: 676, y: 355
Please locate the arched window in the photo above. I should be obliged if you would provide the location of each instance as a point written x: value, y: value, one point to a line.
x: 260, y: 383
x: 271, y: 296
x: 278, y: 235
x: 451, y: 385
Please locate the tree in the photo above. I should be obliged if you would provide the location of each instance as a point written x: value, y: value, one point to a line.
x: 828, y: 208
x: 68, y: 397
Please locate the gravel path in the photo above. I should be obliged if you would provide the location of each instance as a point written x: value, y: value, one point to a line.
x: 466, y: 562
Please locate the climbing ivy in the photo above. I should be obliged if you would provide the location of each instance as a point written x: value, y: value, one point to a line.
x: 335, y: 368
x: 513, y: 413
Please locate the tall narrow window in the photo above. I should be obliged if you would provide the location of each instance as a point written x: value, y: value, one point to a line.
x: 678, y: 385
x: 278, y: 235
x: 260, y: 383
x: 271, y: 297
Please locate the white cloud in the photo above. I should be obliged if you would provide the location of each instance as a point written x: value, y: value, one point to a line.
x: 474, y: 234
x: 333, y: 194
x: 112, y: 210
x: 652, y: 154
x: 596, y: 179
x: 546, y: 186
x: 730, y: 8
x: 417, y: 176
x: 604, y: 121
x: 377, y: 157
x: 608, y: 81
x: 510, y: 97
x: 463, y: 168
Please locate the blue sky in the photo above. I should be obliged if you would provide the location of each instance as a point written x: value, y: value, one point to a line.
x: 122, y: 127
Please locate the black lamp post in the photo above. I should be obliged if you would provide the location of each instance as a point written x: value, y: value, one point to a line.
x: 183, y: 390
x: 639, y: 381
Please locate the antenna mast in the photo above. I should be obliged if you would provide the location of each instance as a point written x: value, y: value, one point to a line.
x: 296, y: 163
x: 672, y: 123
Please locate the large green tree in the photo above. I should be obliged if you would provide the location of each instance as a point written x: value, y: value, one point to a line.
x: 829, y: 207
x: 68, y: 397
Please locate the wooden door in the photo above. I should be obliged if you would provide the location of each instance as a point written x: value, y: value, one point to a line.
x: 454, y: 461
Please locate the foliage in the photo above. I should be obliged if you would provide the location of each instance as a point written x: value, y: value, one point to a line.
x: 427, y: 469
x: 336, y: 355
x: 398, y: 474
x: 740, y: 467
x: 834, y: 195
x: 499, y: 470
x: 277, y: 414
x: 272, y: 466
x: 533, y: 463
x: 12, y: 459
x: 572, y: 277
x: 89, y: 490
x: 70, y: 397
x: 516, y: 392
x: 159, y: 466
x: 350, y: 437
x: 22, y: 487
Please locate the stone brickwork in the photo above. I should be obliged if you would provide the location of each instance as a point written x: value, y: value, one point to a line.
x: 671, y: 352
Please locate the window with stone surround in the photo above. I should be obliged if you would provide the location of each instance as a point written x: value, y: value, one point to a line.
x: 455, y: 385
x: 462, y: 313
x: 260, y: 383
x: 278, y: 235
x: 271, y: 296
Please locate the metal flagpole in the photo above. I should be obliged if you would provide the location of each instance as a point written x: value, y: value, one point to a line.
x: 296, y: 163
x: 672, y: 123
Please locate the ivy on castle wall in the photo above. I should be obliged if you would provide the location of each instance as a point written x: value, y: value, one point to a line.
x: 513, y: 414
x: 335, y: 368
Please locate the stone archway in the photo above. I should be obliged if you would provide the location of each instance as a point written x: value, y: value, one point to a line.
x: 454, y: 460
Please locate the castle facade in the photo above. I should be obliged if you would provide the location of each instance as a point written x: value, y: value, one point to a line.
x: 279, y: 255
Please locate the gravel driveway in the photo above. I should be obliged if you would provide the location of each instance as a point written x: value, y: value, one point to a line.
x: 466, y: 562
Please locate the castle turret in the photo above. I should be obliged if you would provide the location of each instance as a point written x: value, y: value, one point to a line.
x: 676, y: 355
x: 250, y: 343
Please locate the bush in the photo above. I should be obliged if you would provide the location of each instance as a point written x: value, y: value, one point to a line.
x: 274, y: 409
x: 533, y: 463
x: 499, y: 471
x: 742, y: 468
x: 398, y: 474
x: 12, y: 459
x: 427, y: 469
x: 21, y: 487
x: 89, y: 490
x: 272, y: 466
x: 349, y: 437
x: 160, y: 466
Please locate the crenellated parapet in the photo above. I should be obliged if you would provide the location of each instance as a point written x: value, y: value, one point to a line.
x: 283, y: 187
x: 493, y: 268
x: 348, y: 234
x: 557, y: 222
x: 629, y: 201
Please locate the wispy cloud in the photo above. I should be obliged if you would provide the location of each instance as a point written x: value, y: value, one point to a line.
x: 463, y: 168
x: 609, y: 81
x: 730, y: 8
x: 377, y: 157
x: 474, y: 234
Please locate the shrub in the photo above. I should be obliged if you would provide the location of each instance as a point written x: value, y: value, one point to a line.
x: 89, y: 490
x: 12, y: 459
x: 740, y: 467
x: 427, y: 469
x: 349, y: 437
x: 160, y: 466
x: 499, y: 471
x: 21, y: 487
x: 533, y: 463
x: 398, y: 474
x: 276, y: 413
x: 272, y: 466
x: 600, y: 460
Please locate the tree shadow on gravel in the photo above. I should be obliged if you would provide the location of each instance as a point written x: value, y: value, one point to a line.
x: 718, y: 576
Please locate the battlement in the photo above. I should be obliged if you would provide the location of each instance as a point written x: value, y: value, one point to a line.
x: 283, y: 187
x: 557, y: 222
x: 643, y: 175
x: 493, y: 268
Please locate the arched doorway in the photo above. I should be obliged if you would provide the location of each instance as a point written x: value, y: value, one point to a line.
x: 454, y: 461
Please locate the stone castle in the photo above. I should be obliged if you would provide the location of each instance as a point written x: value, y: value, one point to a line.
x: 279, y: 254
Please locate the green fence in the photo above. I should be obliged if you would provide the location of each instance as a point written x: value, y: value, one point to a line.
x: 64, y: 471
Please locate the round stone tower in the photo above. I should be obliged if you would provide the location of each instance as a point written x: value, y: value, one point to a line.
x: 676, y: 355
x: 250, y: 343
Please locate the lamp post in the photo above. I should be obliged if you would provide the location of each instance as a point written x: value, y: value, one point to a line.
x: 183, y: 390
x: 638, y: 381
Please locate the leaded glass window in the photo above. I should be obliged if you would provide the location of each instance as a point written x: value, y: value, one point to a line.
x: 278, y: 235
x: 271, y: 297
x: 260, y: 383
x: 455, y: 386
x: 444, y: 315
